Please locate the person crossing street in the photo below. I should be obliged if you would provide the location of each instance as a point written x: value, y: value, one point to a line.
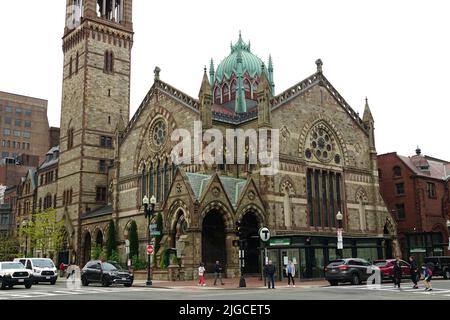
x: 290, y: 271
x: 414, y: 271
x: 397, y: 273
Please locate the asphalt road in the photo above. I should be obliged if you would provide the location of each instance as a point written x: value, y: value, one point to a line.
x: 60, y: 291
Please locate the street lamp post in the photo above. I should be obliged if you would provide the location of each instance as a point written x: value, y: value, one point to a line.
x: 149, y: 212
x: 340, y: 243
x: 448, y: 227
x: 25, y: 225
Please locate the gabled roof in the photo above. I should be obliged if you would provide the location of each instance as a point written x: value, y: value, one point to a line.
x: 232, y: 186
x: 170, y: 91
x: 317, y: 79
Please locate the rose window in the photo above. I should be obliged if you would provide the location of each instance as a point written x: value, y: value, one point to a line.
x: 159, y: 133
x: 321, y: 146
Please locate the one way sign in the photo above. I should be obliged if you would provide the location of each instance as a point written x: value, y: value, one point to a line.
x: 264, y: 234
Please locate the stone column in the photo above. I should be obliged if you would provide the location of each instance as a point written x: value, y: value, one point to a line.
x: 232, y: 263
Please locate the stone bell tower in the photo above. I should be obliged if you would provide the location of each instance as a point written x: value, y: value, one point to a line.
x: 97, y: 42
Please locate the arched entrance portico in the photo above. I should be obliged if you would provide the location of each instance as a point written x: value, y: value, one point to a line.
x: 213, y: 240
x: 250, y: 226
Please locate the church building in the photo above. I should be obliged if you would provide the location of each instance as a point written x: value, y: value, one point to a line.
x: 108, y: 162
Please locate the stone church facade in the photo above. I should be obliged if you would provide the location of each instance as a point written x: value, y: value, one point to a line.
x: 108, y: 163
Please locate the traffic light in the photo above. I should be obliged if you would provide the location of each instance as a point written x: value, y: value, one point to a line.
x: 238, y: 229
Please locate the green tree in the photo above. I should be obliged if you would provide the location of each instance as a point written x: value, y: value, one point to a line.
x: 96, y: 252
x: 9, y: 248
x: 159, y: 223
x: 111, y: 244
x: 45, y: 231
x: 134, y: 241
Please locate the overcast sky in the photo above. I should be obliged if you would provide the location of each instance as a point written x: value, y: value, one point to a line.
x: 395, y: 52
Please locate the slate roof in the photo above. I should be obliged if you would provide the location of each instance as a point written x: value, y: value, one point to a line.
x: 52, y: 161
x: 104, y: 211
x: 233, y: 187
x: 437, y: 169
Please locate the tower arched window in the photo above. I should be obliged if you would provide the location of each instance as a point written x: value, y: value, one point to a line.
x: 70, y: 139
x: 108, y: 62
x: 77, y: 61
x: 70, y: 66
x: 144, y: 181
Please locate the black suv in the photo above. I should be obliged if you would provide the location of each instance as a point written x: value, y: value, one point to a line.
x: 440, y: 266
x: 106, y: 273
x: 348, y: 270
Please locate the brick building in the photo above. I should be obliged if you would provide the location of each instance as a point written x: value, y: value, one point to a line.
x: 12, y: 170
x: 24, y: 126
x: 416, y: 191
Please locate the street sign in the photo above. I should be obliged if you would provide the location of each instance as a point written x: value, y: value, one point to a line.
x: 264, y: 234
x: 153, y: 226
x: 155, y: 233
x: 127, y: 243
x: 127, y: 250
x: 150, y: 249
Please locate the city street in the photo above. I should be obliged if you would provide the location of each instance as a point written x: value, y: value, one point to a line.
x: 282, y: 292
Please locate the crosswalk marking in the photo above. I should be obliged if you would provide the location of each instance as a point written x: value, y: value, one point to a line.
x: 389, y: 288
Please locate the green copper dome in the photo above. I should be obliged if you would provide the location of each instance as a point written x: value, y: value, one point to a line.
x: 251, y: 63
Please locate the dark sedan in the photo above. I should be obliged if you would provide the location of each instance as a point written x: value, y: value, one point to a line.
x: 106, y: 273
x: 348, y: 270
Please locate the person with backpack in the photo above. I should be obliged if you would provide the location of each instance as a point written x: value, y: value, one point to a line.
x: 414, y: 271
x: 427, y: 277
x: 397, y: 273
x: 201, y: 275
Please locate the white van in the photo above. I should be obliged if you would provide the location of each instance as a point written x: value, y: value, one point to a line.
x: 43, y: 269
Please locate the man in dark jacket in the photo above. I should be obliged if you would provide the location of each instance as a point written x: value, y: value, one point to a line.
x: 270, y: 270
x: 218, y: 273
x: 397, y: 273
x: 414, y: 270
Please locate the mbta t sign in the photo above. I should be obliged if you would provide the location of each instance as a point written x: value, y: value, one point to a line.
x: 264, y: 234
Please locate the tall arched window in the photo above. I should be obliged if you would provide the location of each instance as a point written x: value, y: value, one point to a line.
x: 218, y: 95
x: 226, y: 92
x: 77, y: 61
x: 108, y: 62
x: 287, y: 209
x: 152, y: 181
x: 158, y: 182
x: 166, y: 179
x: 144, y: 181
x: 70, y: 67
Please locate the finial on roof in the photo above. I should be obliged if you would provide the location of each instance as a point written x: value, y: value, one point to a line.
x: 270, y: 62
x: 319, y: 65
x: 157, y: 71
x: 418, y: 151
x: 240, y: 35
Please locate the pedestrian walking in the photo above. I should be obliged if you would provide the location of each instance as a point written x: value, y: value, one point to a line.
x: 201, y: 275
x: 414, y: 271
x: 397, y: 273
x: 427, y: 277
x: 62, y: 267
x: 270, y: 270
x: 218, y: 273
x: 290, y: 271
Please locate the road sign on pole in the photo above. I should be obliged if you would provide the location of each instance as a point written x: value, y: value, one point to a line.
x: 150, y: 249
x: 264, y: 234
x: 155, y: 233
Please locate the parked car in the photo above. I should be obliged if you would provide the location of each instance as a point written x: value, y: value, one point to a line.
x: 387, y: 268
x: 43, y: 269
x: 14, y: 273
x: 106, y: 273
x: 440, y: 265
x: 351, y: 270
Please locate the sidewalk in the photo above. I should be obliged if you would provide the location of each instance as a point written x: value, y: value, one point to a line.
x: 229, y: 284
